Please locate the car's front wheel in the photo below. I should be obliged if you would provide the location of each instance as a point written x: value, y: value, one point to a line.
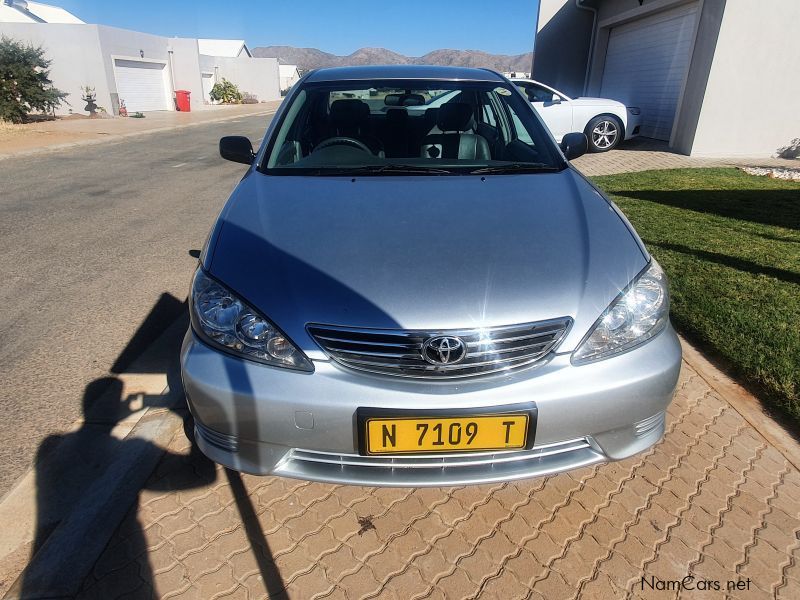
x: 604, y: 133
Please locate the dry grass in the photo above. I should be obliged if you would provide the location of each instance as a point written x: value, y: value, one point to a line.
x: 10, y: 130
x: 6, y: 126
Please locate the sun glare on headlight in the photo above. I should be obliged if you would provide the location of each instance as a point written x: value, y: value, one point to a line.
x: 633, y: 317
x: 223, y: 319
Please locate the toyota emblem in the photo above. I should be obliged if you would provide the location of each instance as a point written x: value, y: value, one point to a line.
x: 444, y: 350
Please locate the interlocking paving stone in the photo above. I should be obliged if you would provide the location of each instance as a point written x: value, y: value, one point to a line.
x: 712, y: 500
x: 641, y: 154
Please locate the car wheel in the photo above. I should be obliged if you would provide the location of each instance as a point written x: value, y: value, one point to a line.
x: 604, y: 133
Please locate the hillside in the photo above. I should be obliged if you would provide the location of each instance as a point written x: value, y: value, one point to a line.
x: 312, y: 58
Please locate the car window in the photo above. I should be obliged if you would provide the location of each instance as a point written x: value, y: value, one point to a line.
x: 520, y: 132
x: 489, y: 116
x: 450, y: 126
x: 536, y: 93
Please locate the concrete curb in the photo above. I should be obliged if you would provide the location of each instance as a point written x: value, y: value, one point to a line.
x: 136, y: 444
x: 747, y: 405
x: 121, y: 136
x: 84, y: 534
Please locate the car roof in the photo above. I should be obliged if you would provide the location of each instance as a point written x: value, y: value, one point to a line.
x: 404, y: 72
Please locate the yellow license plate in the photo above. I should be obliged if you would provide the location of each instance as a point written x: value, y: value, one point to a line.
x: 392, y: 435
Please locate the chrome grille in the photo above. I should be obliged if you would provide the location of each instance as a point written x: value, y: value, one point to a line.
x: 437, y: 470
x: 645, y: 426
x: 400, y: 352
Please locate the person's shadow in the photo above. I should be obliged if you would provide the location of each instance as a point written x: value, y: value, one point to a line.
x: 88, y: 479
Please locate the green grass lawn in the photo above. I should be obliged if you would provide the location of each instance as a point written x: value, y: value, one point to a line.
x: 730, y: 243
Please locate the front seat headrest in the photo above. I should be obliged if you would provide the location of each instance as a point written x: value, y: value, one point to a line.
x: 454, y: 116
x: 349, y: 112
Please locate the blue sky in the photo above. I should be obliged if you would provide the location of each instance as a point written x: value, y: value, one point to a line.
x: 411, y: 27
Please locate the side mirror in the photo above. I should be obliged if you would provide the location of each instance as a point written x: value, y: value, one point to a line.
x: 236, y: 148
x: 574, y: 145
x: 556, y: 99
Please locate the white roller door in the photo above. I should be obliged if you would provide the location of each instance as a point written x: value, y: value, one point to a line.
x: 646, y: 65
x: 142, y: 85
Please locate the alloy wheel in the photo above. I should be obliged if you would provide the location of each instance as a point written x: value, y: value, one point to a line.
x: 604, y: 134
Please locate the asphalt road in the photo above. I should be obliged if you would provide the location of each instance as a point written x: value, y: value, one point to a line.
x: 92, y: 237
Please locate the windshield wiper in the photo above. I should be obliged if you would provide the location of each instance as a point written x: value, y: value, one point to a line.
x: 514, y: 168
x: 387, y: 168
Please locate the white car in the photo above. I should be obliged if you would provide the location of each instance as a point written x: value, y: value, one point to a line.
x: 605, y: 122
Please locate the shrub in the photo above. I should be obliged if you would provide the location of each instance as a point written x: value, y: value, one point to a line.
x: 791, y: 150
x: 226, y: 92
x: 249, y: 98
x: 25, y: 83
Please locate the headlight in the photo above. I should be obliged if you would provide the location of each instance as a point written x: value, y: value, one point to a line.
x: 635, y: 316
x: 634, y: 110
x: 224, y: 320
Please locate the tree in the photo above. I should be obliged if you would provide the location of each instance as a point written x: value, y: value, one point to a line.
x: 226, y: 92
x: 25, y: 83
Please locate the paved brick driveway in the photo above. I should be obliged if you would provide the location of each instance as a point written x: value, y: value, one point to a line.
x: 712, y: 499
x: 642, y: 154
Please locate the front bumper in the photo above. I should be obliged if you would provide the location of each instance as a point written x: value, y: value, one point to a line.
x: 633, y: 126
x: 266, y: 420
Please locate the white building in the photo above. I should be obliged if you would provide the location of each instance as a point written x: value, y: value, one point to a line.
x: 712, y: 77
x: 20, y: 11
x: 289, y: 76
x: 141, y: 69
x: 226, y: 48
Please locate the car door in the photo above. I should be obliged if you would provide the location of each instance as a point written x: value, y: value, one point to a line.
x: 555, y: 110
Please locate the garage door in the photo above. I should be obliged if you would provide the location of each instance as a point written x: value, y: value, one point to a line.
x: 142, y: 85
x: 646, y: 65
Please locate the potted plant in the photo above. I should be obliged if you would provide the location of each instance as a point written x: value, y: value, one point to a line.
x: 89, y: 96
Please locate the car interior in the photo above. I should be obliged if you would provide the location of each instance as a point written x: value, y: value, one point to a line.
x: 334, y: 127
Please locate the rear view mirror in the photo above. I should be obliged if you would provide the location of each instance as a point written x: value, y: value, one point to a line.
x: 404, y: 100
x: 413, y: 100
x: 574, y: 145
x: 236, y: 148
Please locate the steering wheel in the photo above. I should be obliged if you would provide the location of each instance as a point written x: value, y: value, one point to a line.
x: 343, y: 141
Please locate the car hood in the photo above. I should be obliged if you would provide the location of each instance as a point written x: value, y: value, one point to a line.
x: 597, y: 102
x: 423, y: 252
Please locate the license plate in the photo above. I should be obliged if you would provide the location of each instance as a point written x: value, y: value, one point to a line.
x: 469, y: 433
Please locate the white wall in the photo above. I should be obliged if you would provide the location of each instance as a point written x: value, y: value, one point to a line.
x: 752, y: 100
x: 259, y: 76
x: 83, y: 55
x: 186, y: 62
x: 115, y: 42
x: 562, y: 47
x: 76, y: 59
x: 185, y: 58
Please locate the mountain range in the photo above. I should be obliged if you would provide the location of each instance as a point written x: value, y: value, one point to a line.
x: 312, y: 58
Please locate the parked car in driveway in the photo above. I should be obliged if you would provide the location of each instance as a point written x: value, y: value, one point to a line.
x: 433, y: 297
x: 605, y: 122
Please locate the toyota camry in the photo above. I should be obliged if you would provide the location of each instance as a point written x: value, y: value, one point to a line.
x: 405, y: 292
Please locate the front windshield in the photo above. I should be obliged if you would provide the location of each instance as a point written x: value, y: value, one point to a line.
x: 418, y: 126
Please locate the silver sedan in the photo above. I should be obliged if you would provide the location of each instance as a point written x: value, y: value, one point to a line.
x: 409, y: 296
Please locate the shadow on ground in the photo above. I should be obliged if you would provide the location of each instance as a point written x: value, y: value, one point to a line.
x: 777, y: 207
x: 88, y: 479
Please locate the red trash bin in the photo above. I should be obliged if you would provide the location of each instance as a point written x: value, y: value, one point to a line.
x: 182, y: 100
